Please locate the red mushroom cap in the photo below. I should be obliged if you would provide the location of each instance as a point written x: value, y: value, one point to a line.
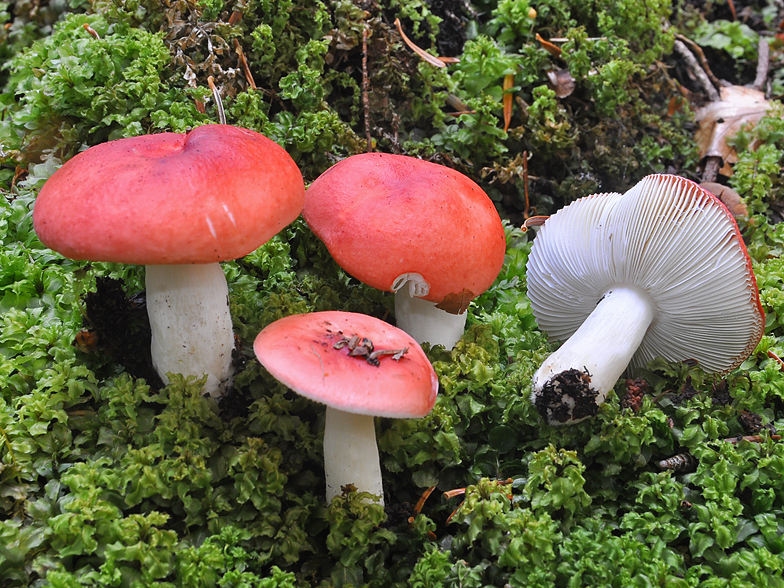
x: 215, y: 193
x: 384, y: 215
x: 300, y: 352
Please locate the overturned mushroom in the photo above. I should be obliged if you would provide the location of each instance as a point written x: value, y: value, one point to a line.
x: 624, y: 278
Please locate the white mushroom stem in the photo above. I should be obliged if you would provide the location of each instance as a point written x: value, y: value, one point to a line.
x: 420, y: 318
x: 603, y: 345
x: 351, y: 453
x: 188, y: 306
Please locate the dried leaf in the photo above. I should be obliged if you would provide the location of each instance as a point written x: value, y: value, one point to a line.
x: 729, y: 197
x: 456, y: 303
x: 721, y: 120
x: 561, y: 81
x: 508, y: 83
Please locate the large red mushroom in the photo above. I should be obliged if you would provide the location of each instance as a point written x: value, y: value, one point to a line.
x: 422, y: 230
x: 178, y: 204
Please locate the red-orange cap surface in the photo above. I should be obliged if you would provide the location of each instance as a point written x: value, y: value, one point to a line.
x: 384, y: 215
x: 300, y: 351
x: 215, y: 193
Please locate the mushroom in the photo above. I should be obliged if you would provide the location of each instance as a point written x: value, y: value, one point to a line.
x: 178, y: 204
x: 360, y: 367
x: 660, y: 271
x: 419, y: 229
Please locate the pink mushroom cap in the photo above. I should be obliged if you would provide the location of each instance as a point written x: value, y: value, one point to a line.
x: 215, y: 193
x: 299, y: 351
x: 382, y: 216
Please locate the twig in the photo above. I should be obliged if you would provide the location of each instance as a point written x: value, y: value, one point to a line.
x: 702, y: 77
x: 244, y: 65
x: 703, y: 60
x: 713, y: 164
x: 366, y: 88
x: 750, y: 439
x: 763, y: 64
x: 218, y: 102
x: 525, y: 184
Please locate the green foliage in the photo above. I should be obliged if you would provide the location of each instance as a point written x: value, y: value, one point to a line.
x: 734, y: 37
x: 87, y: 90
x: 549, y: 122
x: 756, y: 175
x: 556, y: 481
x: 512, y: 23
x: 106, y: 480
x: 353, y: 532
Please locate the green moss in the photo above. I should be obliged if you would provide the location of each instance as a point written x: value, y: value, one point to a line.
x: 106, y: 480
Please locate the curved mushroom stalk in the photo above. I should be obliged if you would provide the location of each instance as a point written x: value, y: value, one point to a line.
x: 188, y: 306
x: 422, y: 319
x: 572, y: 383
x: 351, y: 453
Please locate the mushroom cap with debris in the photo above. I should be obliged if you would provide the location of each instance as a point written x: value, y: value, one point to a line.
x: 309, y: 354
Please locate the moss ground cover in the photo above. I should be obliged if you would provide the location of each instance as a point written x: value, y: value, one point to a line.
x: 108, y: 479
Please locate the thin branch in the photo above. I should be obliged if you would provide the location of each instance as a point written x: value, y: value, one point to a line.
x: 365, y: 88
x: 763, y: 64
x: 526, y: 157
x: 244, y: 65
x: 218, y: 101
x: 695, y: 67
x: 703, y: 60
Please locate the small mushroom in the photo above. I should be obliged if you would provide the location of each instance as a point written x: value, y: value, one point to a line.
x: 178, y: 204
x: 660, y: 271
x: 316, y: 356
x: 419, y: 229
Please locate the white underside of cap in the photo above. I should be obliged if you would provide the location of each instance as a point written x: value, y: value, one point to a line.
x: 668, y: 238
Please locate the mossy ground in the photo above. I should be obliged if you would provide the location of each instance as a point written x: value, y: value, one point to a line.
x: 107, y: 479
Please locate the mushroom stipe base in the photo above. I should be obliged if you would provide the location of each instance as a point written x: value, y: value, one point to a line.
x: 567, y: 396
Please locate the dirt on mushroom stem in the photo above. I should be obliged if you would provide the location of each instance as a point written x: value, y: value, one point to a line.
x: 568, y: 395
